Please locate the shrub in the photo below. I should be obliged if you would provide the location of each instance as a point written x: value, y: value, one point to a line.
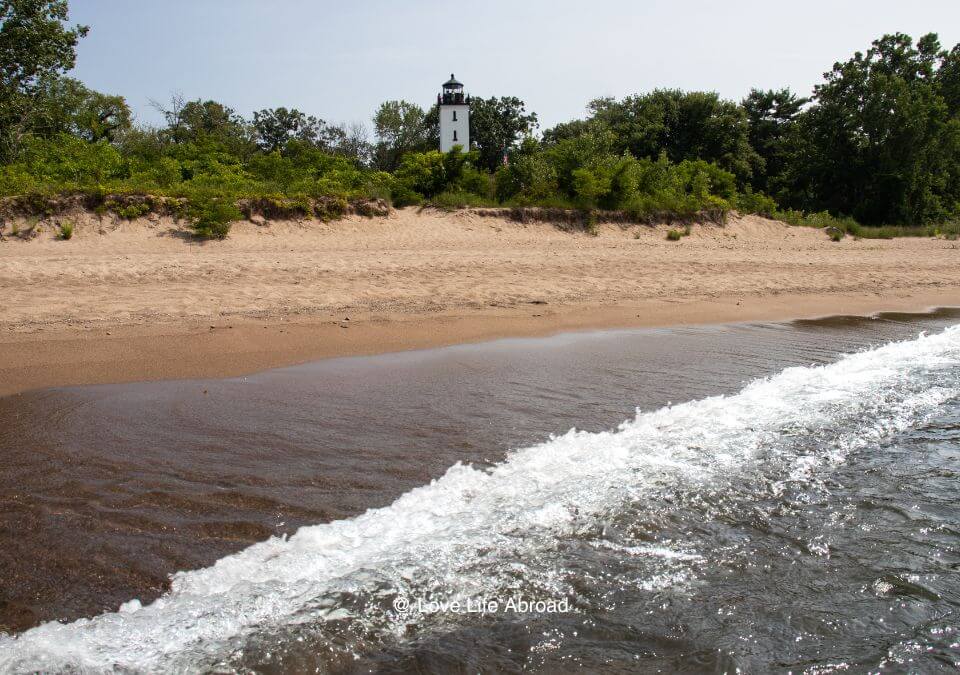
x: 162, y: 172
x: 211, y: 218
x: 378, y: 185
x: 749, y: 201
x: 832, y: 224
x: 16, y: 180
x: 129, y: 211
x: 276, y: 207
x: 476, y: 182
x: 674, y: 235
x: 329, y: 208
x: 530, y: 178
x: 459, y: 200
x: 401, y: 195
x: 423, y: 172
x: 67, y: 161
x: 590, y: 224
x: 66, y: 230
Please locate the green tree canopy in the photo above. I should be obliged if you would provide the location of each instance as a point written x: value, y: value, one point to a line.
x: 400, y: 127
x: 880, y: 143
x: 497, y: 124
x: 571, y: 129
x: 36, y: 47
x: 684, y: 125
x: 772, y: 116
x: 275, y: 127
x: 67, y: 106
x: 948, y: 80
x: 34, y: 43
x: 355, y: 144
x: 207, y: 123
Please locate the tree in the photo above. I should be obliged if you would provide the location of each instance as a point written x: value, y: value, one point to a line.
x: 684, y: 125
x: 67, y: 106
x: 431, y: 128
x: 571, y: 129
x: 430, y: 173
x: 497, y: 125
x: 948, y: 80
x: 276, y: 126
x: 198, y: 117
x: 354, y: 143
x: 400, y: 127
x: 772, y: 118
x: 70, y: 161
x: 880, y: 144
x: 34, y: 43
x: 528, y: 173
x: 36, y: 47
x: 206, y: 122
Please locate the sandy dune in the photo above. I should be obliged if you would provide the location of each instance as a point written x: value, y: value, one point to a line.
x: 134, y: 278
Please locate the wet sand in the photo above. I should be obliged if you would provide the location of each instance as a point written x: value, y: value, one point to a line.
x: 129, y: 301
x: 243, y: 346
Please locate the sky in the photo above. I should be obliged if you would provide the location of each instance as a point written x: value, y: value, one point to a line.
x: 339, y: 60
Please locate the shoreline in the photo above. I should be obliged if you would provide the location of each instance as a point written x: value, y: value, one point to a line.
x: 129, y: 301
x: 231, y: 347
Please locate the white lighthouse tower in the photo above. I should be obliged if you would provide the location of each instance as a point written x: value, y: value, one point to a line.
x: 454, y: 116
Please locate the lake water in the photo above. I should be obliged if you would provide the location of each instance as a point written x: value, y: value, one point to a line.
x: 786, y: 498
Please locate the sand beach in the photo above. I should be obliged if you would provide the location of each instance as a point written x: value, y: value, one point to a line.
x: 136, y: 300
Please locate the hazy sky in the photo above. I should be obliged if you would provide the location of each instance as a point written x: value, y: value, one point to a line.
x: 339, y: 60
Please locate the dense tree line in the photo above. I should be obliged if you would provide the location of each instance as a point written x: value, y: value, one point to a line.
x: 878, y: 140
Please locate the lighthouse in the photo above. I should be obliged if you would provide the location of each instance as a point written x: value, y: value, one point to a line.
x: 454, y: 116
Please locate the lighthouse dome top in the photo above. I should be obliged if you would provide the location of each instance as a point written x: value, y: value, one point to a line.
x: 453, y: 93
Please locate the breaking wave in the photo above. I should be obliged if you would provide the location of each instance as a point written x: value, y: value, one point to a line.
x: 475, y: 532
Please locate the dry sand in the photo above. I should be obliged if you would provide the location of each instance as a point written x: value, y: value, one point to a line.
x: 126, y: 301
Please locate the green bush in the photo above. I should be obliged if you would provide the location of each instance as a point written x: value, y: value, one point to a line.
x: 66, y: 230
x: 401, y: 195
x: 430, y: 173
x: 161, y: 172
x: 826, y: 221
x: 378, y: 185
x: 588, y: 187
x: 211, y: 219
x: 69, y: 162
x: 423, y: 173
x: 330, y: 208
x: 459, y: 200
x: 476, y: 182
x: 129, y: 211
x: 674, y: 235
x: 17, y: 180
x: 749, y: 201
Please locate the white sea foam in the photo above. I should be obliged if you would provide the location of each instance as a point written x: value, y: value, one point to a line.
x: 429, y: 538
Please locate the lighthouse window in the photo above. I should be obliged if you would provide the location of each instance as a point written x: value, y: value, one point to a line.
x: 454, y: 134
x: 454, y: 115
